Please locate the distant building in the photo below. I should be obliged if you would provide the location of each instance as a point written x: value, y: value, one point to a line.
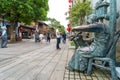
x: 24, y: 32
x: 42, y: 27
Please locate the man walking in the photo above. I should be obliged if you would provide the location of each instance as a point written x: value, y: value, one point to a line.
x: 4, y: 36
x: 58, y: 36
x: 48, y: 36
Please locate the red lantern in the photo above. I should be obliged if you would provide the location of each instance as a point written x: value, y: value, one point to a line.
x: 68, y: 28
x: 32, y: 30
x: 70, y: 1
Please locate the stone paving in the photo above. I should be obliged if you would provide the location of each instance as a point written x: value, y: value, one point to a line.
x: 27, y: 60
x: 97, y: 75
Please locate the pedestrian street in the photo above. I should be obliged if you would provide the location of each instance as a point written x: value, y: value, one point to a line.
x: 28, y: 60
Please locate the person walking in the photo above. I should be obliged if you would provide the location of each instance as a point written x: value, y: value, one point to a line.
x: 58, y: 37
x: 0, y: 34
x: 36, y: 37
x: 3, y: 37
x: 48, y: 36
x: 64, y: 37
x: 41, y: 37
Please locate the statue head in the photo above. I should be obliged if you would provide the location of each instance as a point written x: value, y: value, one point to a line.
x: 91, y: 19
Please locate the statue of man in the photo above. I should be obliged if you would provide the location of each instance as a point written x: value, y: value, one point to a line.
x: 97, y: 48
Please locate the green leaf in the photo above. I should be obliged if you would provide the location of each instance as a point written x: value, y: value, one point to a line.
x: 79, y: 11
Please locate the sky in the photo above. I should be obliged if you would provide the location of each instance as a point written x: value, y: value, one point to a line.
x: 57, y: 9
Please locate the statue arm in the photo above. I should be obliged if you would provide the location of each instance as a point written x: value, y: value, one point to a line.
x: 89, y: 28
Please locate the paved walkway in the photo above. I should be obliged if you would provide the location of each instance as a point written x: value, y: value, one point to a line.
x: 27, y: 60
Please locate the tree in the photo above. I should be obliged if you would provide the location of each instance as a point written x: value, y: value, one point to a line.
x: 23, y: 11
x: 78, y: 12
x: 54, y: 24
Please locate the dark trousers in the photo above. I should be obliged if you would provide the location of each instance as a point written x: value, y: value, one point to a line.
x: 48, y: 39
x: 58, y: 42
x: 37, y: 40
x: 64, y: 40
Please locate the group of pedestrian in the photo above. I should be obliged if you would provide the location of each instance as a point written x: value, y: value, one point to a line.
x: 40, y: 37
x: 3, y: 35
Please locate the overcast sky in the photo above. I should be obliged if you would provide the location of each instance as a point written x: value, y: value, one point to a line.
x: 57, y: 9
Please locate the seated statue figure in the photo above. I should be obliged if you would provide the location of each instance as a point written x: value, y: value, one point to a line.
x: 96, y: 48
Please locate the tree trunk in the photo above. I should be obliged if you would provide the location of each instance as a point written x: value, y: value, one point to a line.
x: 12, y: 35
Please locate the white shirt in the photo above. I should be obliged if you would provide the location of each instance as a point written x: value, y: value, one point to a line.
x: 41, y: 36
x: 58, y: 33
x: 4, y: 31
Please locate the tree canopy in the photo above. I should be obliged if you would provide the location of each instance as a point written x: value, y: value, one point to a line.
x: 78, y: 12
x: 54, y: 24
x: 24, y: 10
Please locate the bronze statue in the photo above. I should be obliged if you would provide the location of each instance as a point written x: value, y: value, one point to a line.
x: 97, y: 47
